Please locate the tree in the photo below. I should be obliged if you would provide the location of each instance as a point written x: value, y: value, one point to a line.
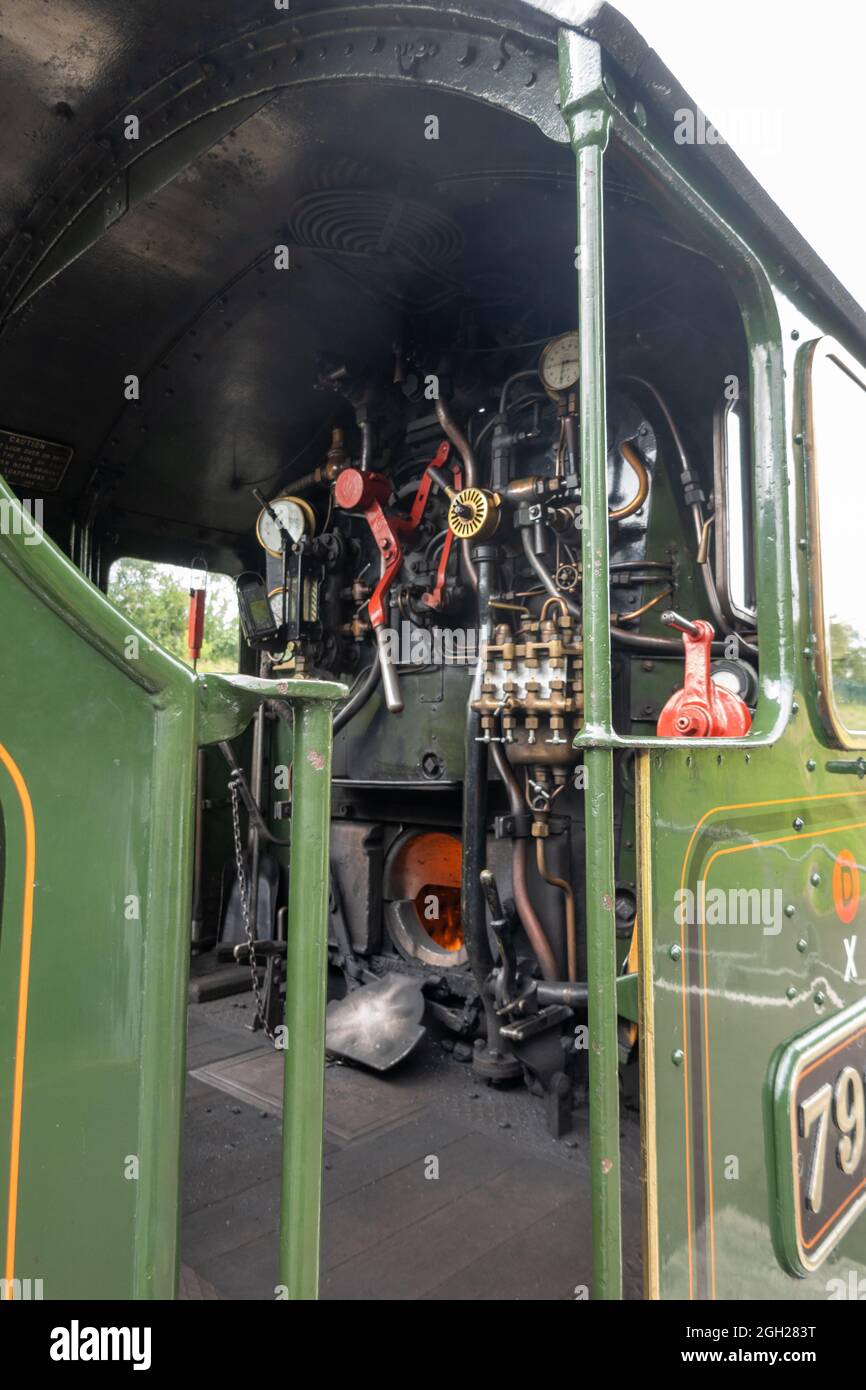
x: 155, y: 597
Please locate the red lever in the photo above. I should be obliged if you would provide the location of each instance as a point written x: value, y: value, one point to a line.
x: 434, y: 598
x: 367, y: 492
x: 703, y: 708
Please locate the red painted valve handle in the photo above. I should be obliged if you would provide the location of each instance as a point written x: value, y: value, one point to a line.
x: 703, y: 708
x: 368, y: 492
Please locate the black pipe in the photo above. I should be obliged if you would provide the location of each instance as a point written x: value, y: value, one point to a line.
x: 359, y: 697
x: 473, y: 903
x: 661, y: 646
x: 254, y: 838
x: 475, y: 795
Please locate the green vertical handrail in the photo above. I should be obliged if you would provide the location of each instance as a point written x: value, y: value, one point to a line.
x: 585, y: 109
x: 306, y: 985
x: 228, y: 705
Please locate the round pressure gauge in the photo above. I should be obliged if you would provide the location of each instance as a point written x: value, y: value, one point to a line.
x: 559, y: 367
x: 296, y: 517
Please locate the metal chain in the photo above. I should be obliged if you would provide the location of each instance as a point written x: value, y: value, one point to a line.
x: 245, y: 908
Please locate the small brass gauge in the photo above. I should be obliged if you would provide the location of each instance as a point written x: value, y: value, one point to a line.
x: 296, y: 517
x: 559, y: 366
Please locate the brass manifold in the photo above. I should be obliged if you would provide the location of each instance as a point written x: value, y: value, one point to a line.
x: 532, y: 689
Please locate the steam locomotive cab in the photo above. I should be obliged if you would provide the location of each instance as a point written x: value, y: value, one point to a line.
x: 424, y: 545
x: 514, y: 413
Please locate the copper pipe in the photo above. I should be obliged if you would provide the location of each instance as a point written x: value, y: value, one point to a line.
x: 644, y: 608
x: 528, y: 916
x: 323, y: 475
x: 512, y: 607
x: 543, y: 573
x: 570, y: 912
x: 704, y: 546
x: 635, y: 462
x: 547, y: 602
x: 529, y: 920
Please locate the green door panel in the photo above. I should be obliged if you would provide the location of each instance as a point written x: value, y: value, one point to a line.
x: 748, y: 953
x: 99, y: 731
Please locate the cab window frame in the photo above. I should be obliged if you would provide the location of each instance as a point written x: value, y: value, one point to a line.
x: 819, y: 351
x: 204, y: 666
x: 726, y: 516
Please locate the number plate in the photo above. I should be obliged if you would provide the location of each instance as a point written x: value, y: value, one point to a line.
x: 819, y: 1124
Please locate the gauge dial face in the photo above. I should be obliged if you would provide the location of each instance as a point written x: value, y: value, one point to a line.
x: 296, y: 517
x: 559, y: 367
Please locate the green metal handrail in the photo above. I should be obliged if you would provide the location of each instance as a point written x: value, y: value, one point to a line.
x: 585, y: 110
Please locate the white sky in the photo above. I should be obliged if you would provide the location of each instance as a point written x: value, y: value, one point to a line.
x: 783, y: 79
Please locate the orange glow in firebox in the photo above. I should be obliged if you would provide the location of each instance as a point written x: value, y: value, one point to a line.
x: 439, y: 911
x: 427, y: 871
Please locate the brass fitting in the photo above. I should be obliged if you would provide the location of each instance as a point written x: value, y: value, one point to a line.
x: 473, y: 514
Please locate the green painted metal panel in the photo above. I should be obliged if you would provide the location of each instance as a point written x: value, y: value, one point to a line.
x: 98, y: 737
x: 764, y: 814
x: 728, y: 994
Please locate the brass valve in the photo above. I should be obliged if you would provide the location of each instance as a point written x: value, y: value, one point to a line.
x: 473, y: 514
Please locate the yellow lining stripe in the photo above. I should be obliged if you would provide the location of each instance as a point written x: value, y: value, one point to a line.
x: 23, y: 990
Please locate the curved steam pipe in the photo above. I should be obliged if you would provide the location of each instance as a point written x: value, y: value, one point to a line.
x: 570, y: 908
x: 470, y: 474
x: 530, y: 921
x: 635, y: 463
x: 359, y: 697
x: 543, y: 573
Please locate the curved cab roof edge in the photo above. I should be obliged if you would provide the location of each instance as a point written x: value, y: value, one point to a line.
x: 660, y: 90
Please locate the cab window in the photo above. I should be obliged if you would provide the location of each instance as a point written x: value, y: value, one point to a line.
x: 734, y: 516
x: 155, y: 597
x: 836, y: 435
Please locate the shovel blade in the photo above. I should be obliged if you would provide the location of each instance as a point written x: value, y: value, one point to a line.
x: 377, y: 1025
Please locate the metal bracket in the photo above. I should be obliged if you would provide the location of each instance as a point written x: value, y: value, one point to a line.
x: 519, y: 827
x: 855, y: 769
x: 584, y: 89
